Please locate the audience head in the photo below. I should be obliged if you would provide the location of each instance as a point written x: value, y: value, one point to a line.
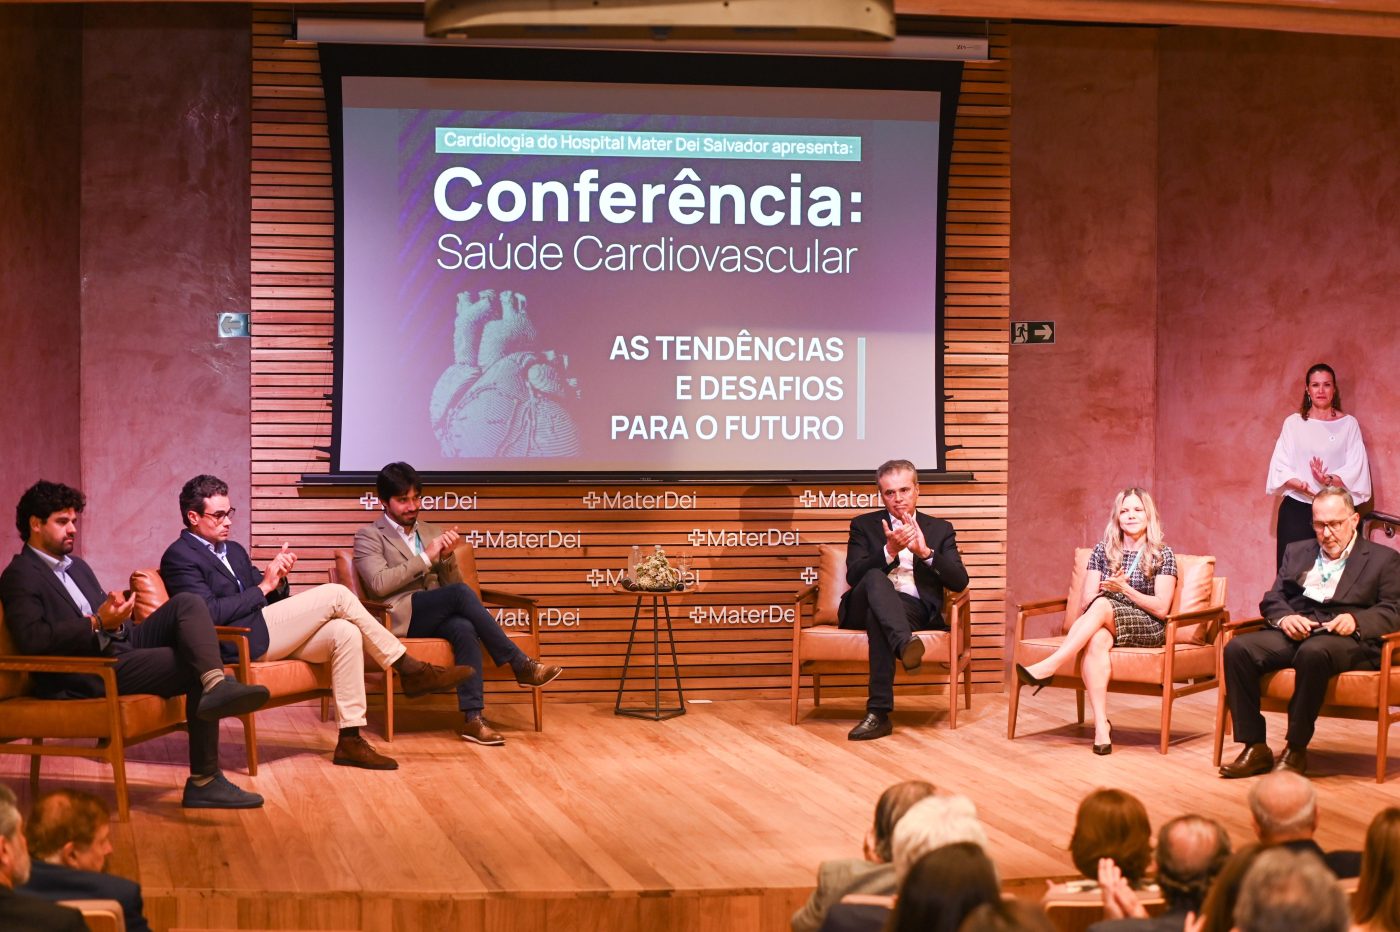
x: 14, y: 854
x: 931, y: 823
x: 1218, y: 911
x: 195, y: 493
x: 1191, y: 850
x: 1112, y: 824
x: 1290, y: 891
x: 70, y: 828
x: 46, y: 516
x: 893, y: 804
x: 1377, y: 901
x: 942, y: 887
x: 1284, y: 805
x: 1320, y: 390
x: 1007, y: 915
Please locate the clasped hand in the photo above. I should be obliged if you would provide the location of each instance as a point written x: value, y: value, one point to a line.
x: 1297, y: 627
x: 1119, y: 900
x: 906, y: 536
x: 443, y: 544
x: 1118, y: 583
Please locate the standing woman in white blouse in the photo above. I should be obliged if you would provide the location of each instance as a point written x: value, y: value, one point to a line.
x: 1319, y: 446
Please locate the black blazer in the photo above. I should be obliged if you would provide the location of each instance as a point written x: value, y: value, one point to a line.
x: 56, y: 882
x: 1369, y: 588
x: 189, y: 566
x: 44, y: 619
x: 865, y: 551
x: 22, y: 913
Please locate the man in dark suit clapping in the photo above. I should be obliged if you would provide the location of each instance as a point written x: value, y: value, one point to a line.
x: 898, y: 562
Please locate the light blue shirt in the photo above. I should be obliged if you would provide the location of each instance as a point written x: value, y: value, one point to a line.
x: 220, y: 551
x: 60, y: 569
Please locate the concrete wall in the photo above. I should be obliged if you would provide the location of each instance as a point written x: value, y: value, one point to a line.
x: 40, y: 354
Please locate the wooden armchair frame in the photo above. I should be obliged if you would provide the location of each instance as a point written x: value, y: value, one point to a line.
x: 1166, y: 687
x: 1276, y: 688
x: 954, y: 661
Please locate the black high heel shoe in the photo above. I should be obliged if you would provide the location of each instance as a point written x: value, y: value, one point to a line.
x: 1039, y: 682
x: 1102, y: 749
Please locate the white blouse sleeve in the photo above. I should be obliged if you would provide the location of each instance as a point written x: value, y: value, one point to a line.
x: 1282, y: 467
x: 1355, y: 470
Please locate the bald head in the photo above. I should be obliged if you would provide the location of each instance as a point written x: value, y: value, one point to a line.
x: 1191, y: 850
x: 1284, y: 805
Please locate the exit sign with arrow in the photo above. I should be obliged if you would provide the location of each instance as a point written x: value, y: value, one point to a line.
x: 1032, y: 331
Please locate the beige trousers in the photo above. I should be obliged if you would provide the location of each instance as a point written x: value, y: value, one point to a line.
x: 328, y: 623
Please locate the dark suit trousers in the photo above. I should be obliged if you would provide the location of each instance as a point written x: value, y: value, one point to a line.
x: 889, y: 619
x: 1316, y: 659
x: 455, y: 614
x: 169, y: 653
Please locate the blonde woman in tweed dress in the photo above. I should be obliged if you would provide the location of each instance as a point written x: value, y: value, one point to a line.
x: 1127, y: 590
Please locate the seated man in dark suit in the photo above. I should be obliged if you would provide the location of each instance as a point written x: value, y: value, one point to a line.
x: 325, y: 623
x: 1191, y: 850
x: 1284, y: 806
x: 54, y: 605
x: 70, y: 835
x: 1334, y: 599
x: 20, y: 910
x: 898, y: 562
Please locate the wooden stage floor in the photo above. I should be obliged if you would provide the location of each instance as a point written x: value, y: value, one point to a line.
x: 714, y: 820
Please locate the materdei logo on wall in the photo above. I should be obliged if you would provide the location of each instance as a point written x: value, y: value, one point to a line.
x: 446, y: 501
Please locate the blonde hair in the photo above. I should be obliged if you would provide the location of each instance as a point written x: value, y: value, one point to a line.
x: 1152, y: 543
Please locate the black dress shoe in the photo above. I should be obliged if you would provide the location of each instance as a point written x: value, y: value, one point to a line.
x: 1253, y: 760
x: 874, y: 725
x: 1039, y: 682
x: 912, y: 656
x: 1294, y: 760
x: 229, y: 698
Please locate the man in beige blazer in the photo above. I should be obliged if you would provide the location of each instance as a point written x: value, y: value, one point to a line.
x: 412, y: 566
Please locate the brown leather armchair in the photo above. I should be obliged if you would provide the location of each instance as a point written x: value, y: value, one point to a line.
x: 437, y: 650
x: 1187, y: 664
x: 1367, y: 695
x: 287, y: 681
x: 820, y: 647
x: 115, y: 721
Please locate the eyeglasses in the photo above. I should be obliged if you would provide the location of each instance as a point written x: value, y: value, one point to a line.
x: 218, y: 516
x: 1333, y: 526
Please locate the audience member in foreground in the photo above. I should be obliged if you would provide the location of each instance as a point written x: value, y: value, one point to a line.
x: 874, y: 873
x: 1334, y: 599
x: 1376, y: 906
x: 412, y: 566
x: 929, y: 824
x: 1128, y: 587
x: 1191, y: 850
x: 1290, y: 891
x: 1284, y: 806
x: 17, y: 910
x: 1109, y: 824
x: 54, y: 605
x: 1007, y: 915
x: 323, y: 624
x: 70, y: 835
x: 1218, y: 911
x: 944, y: 886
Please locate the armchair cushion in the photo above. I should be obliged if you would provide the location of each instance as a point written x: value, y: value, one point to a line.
x: 831, y: 583
x: 87, y: 718
x: 828, y: 643
x: 1194, y: 580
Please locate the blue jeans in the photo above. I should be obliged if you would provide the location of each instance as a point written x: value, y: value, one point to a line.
x: 455, y: 614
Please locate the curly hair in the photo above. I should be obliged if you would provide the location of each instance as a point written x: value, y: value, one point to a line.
x: 42, y: 499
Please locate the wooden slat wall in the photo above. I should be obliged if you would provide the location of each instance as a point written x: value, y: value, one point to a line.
x: 292, y: 304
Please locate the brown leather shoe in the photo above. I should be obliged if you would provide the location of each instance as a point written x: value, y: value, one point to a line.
x: 1253, y: 760
x: 477, y: 731
x: 430, y: 678
x: 1293, y: 759
x: 357, y: 752
x: 535, y: 674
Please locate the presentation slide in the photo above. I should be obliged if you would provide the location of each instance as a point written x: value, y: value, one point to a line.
x: 564, y: 277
